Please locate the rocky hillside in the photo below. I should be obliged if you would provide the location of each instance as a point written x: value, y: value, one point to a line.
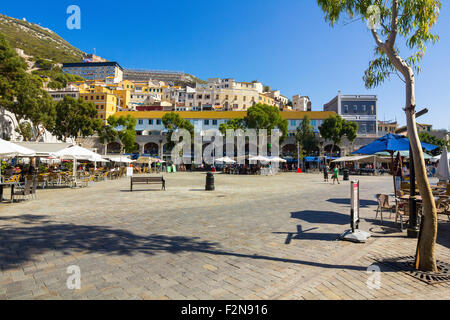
x: 37, y: 41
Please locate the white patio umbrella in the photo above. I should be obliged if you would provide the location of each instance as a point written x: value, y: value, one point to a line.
x: 9, y: 150
x: 277, y: 159
x: 76, y: 153
x: 122, y: 159
x: 437, y: 158
x: 259, y: 158
x: 443, y: 172
x: 225, y: 159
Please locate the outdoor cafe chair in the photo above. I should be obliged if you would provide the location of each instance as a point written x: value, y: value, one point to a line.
x: 24, y: 192
x: 402, y: 211
x: 383, y: 204
x: 443, y: 207
x: 12, y: 179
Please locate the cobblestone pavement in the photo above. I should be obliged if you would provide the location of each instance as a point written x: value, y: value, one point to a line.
x: 255, y: 237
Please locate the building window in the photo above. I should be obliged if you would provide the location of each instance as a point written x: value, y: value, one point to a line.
x: 206, y: 122
x: 355, y: 108
x: 214, y: 123
x: 363, y: 128
x: 141, y: 122
x: 158, y: 122
x: 151, y: 121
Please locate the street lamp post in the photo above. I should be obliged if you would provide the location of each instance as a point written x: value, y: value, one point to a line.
x: 413, y: 228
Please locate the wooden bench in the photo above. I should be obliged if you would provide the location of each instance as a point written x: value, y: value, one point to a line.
x: 148, y: 180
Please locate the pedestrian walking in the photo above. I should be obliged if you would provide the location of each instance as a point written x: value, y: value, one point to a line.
x: 336, y: 174
x: 326, y: 170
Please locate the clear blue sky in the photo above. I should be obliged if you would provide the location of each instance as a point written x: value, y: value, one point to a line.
x: 285, y: 44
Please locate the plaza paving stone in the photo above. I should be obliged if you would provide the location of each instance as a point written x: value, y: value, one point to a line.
x: 255, y: 237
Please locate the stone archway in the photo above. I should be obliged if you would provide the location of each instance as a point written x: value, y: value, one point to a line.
x: 113, y: 148
x: 336, y: 150
x: 151, y: 149
x: 289, y: 150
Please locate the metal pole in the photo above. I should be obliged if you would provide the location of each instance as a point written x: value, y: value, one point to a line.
x: 413, y: 230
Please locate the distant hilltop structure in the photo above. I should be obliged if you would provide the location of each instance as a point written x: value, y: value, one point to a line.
x: 147, y: 75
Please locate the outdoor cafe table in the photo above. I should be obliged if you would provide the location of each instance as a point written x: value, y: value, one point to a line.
x: 407, y: 197
x: 6, y: 184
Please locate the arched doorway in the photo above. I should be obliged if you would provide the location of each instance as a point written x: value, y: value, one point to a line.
x: 336, y: 151
x: 152, y: 149
x: 289, y: 150
x: 113, y: 148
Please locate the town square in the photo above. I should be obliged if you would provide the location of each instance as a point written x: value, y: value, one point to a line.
x: 252, y: 151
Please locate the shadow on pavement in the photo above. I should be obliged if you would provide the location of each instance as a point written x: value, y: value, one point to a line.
x: 328, y: 217
x: 306, y: 235
x: 20, y: 244
x: 362, y: 203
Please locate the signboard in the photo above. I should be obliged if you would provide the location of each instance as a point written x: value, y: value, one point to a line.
x: 129, y: 171
x: 354, y: 203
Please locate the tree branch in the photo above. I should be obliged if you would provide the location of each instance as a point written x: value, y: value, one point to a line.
x: 394, y: 24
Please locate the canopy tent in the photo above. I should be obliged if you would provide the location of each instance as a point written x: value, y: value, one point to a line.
x: 312, y: 159
x: 9, y: 149
x: 259, y: 158
x: 437, y: 158
x: 225, y: 160
x: 44, y: 149
x: 276, y: 159
x: 404, y: 154
x: 355, y: 158
x: 78, y: 153
x: 120, y: 159
x: 443, y: 172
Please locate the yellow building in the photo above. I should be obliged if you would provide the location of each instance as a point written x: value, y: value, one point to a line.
x: 266, y: 99
x: 105, y: 102
x: 124, y: 98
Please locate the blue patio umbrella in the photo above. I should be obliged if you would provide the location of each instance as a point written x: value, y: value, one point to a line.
x: 391, y: 143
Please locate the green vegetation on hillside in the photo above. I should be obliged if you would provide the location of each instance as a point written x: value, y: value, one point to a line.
x: 38, y: 42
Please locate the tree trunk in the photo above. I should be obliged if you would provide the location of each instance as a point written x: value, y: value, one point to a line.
x: 427, y: 241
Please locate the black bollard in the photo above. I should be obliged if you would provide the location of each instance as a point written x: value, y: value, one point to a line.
x: 209, y: 182
x: 346, y: 173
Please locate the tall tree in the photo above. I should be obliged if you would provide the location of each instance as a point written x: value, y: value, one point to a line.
x: 395, y: 23
x: 334, y: 129
x: 12, y: 70
x: 306, y: 137
x: 232, y: 124
x: 74, y: 118
x: 125, y: 127
x: 107, y: 134
x: 429, y: 138
x: 263, y: 116
x: 22, y: 95
x: 172, y: 122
